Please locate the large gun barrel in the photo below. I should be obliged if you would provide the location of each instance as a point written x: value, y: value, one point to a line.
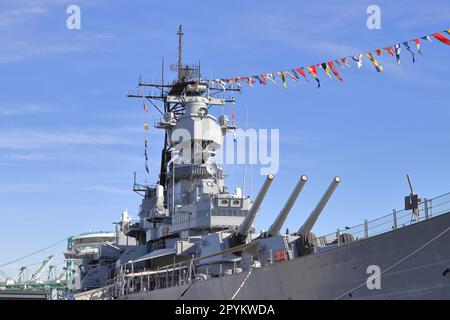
x: 276, y: 226
x: 309, y: 223
x: 248, y: 221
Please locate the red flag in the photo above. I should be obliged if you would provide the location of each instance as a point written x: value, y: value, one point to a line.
x: 313, y: 71
x: 378, y: 51
x: 300, y: 70
x: 336, y: 73
x: 390, y: 50
x: 441, y: 38
x: 417, y: 41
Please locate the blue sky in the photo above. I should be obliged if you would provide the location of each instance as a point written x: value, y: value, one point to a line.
x: 70, y: 139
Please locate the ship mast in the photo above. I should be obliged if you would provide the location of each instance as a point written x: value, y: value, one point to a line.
x: 169, y: 94
x: 180, y: 49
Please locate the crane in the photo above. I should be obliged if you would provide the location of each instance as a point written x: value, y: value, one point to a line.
x: 37, y: 274
x: 21, y: 278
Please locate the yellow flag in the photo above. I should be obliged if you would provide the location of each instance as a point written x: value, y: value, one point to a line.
x: 146, y: 127
x: 283, y: 77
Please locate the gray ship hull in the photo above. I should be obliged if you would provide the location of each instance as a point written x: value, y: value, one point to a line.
x: 414, y: 262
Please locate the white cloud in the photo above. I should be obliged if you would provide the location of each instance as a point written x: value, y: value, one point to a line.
x: 14, y: 110
x: 107, y: 189
x: 20, y: 15
x: 33, y: 156
x: 17, y: 50
x: 33, y: 139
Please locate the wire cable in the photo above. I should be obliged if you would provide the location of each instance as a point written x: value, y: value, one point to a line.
x: 33, y: 253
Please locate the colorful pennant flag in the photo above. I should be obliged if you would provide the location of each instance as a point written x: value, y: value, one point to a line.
x: 300, y: 70
x: 146, y: 126
x: 291, y: 76
x: 344, y: 61
x: 271, y: 77
x: 397, y: 53
x: 358, y: 60
x: 313, y: 71
x: 410, y: 51
x: 377, y: 66
x: 220, y: 83
x: 145, y: 107
x: 417, y: 42
x: 264, y: 79
x: 236, y: 80
x: 283, y: 77
x: 335, y: 72
x: 390, y: 51
x: 324, y: 66
x: 441, y: 38
x: 294, y: 74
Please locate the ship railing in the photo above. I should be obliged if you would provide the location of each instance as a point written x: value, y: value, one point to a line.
x: 178, y: 274
x: 128, y: 280
x: 136, y: 223
x: 397, y: 219
x: 92, y: 232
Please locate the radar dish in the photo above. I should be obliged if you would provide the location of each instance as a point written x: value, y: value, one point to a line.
x: 211, y: 168
x: 202, y: 112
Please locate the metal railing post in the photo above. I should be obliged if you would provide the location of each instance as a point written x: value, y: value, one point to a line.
x: 394, y: 218
x: 173, y: 272
x: 157, y: 279
x: 338, y: 235
x: 426, y: 208
x: 366, y: 228
x: 167, y: 277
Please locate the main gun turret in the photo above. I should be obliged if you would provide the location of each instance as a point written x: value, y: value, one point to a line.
x: 239, y: 236
x: 305, y: 242
x: 276, y: 226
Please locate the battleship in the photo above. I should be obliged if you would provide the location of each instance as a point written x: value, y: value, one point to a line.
x: 194, y: 238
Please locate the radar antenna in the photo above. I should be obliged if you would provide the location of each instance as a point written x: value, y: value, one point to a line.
x: 412, y: 201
